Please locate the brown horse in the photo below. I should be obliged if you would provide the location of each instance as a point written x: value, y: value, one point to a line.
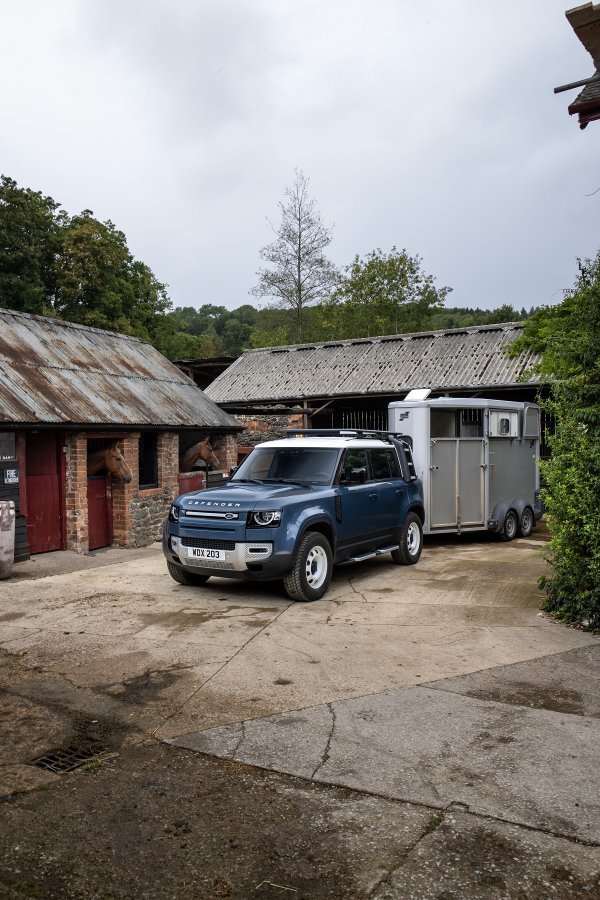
x: 202, y: 450
x: 109, y: 459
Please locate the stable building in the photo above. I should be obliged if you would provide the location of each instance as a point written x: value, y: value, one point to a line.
x: 69, y: 393
x: 350, y: 384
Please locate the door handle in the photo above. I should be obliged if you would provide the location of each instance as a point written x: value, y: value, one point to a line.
x: 372, y: 496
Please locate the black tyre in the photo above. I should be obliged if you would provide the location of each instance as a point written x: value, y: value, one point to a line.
x: 511, y: 526
x: 527, y: 522
x: 411, y: 541
x: 181, y: 576
x: 311, y: 573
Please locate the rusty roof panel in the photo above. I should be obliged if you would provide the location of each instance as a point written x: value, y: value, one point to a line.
x: 459, y: 358
x: 55, y: 372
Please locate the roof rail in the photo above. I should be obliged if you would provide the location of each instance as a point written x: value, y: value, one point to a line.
x: 345, y: 432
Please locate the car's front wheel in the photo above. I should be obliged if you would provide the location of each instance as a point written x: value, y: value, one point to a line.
x: 411, y: 541
x: 181, y: 576
x: 311, y: 572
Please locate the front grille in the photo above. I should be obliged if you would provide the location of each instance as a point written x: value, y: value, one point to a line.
x: 207, y: 542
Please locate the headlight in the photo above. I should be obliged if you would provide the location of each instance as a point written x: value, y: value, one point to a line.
x: 264, y: 518
x: 173, y: 513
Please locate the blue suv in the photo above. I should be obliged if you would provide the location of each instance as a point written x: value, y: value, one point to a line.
x: 297, y: 506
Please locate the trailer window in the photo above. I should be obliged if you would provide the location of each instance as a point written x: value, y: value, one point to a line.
x: 443, y: 423
x: 471, y: 423
x: 531, y: 427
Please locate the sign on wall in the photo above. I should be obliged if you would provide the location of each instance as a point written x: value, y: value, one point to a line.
x: 8, y: 447
x: 11, y: 476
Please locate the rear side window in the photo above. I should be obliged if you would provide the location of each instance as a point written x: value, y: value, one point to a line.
x: 384, y: 464
x: 354, y: 458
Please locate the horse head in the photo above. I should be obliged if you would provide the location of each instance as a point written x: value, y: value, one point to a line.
x: 110, y: 459
x: 202, y: 450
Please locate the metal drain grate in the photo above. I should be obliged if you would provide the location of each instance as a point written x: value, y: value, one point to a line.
x: 68, y: 758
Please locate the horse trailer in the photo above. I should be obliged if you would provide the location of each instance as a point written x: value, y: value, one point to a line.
x: 478, y: 461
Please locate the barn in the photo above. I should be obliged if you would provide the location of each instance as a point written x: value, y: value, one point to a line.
x: 349, y: 384
x: 68, y: 392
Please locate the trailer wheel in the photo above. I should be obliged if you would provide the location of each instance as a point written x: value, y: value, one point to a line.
x: 411, y: 541
x: 526, y: 523
x: 511, y: 526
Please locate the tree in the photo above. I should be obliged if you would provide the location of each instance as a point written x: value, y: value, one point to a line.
x: 100, y: 284
x: 30, y: 236
x: 568, y: 338
x: 384, y: 293
x: 300, y: 274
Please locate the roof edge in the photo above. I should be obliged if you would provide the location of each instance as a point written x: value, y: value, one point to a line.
x: 465, y: 329
x: 65, y: 323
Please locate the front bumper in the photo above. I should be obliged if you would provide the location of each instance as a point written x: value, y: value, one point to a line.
x: 256, y: 560
x: 244, y: 553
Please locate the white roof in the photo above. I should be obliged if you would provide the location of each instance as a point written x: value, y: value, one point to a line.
x: 325, y: 442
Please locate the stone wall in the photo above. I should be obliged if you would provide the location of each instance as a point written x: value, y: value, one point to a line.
x: 266, y: 428
x: 139, y: 513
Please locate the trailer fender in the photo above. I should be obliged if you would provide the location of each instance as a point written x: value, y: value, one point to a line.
x: 496, y: 522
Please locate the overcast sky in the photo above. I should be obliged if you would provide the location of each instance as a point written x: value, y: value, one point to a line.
x: 427, y: 125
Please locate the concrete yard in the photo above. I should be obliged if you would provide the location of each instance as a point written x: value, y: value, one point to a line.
x: 420, y: 732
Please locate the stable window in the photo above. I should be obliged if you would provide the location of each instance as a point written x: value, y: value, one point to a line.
x: 148, y: 461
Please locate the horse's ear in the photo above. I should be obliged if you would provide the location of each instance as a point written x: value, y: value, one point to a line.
x: 205, y: 441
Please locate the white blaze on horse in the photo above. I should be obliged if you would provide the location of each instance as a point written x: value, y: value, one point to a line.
x: 109, y: 459
x: 202, y: 450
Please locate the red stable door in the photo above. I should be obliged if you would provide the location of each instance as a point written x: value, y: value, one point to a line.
x: 44, y: 485
x: 99, y: 511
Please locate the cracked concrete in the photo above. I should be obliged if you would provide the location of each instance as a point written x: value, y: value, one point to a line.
x: 436, y: 691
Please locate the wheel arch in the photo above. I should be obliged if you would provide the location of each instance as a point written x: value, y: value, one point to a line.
x: 501, y: 510
x: 321, y: 526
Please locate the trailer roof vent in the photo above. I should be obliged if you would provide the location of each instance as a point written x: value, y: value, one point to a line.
x: 418, y: 394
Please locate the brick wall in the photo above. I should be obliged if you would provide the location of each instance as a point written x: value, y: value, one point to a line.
x: 76, y: 510
x: 225, y: 447
x: 138, y: 513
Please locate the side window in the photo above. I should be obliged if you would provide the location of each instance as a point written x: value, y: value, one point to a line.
x: 353, y: 459
x: 382, y: 465
x: 148, y: 461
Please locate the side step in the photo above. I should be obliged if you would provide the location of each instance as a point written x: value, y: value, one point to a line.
x: 370, y: 555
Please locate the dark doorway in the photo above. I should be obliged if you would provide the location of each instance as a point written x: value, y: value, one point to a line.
x: 44, y: 492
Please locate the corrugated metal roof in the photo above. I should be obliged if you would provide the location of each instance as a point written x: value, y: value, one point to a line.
x: 55, y: 372
x: 472, y: 358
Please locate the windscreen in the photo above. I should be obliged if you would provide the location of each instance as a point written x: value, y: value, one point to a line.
x: 303, y: 465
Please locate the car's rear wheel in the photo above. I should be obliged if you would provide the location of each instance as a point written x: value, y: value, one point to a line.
x: 181, y: 576
x: 311, y: 572
x: 411, y: 541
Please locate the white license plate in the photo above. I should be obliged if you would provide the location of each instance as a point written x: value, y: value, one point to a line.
x: 206, y: 553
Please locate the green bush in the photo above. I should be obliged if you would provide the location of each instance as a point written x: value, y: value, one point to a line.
x: 568, y: 338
